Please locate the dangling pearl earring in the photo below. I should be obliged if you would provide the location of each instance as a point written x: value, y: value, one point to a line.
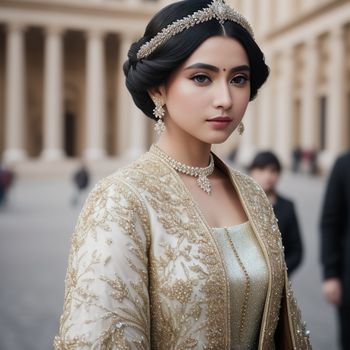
x: 240, y: 128
x: 159, y: 113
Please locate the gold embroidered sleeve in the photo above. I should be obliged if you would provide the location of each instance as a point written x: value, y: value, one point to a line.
x: 300, y: 333
x: 106, y: 302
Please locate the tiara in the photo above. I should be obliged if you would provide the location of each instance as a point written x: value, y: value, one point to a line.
x: 218, y: 10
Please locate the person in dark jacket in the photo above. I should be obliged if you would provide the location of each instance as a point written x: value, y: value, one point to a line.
x: 335, y: 244
x: 81, y: 181
x: 266, y: 170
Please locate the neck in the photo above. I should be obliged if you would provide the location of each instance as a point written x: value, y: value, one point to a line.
x: 272, y: 196
x: 189, y: 152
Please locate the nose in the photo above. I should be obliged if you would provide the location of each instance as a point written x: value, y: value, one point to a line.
x: 223, y: 96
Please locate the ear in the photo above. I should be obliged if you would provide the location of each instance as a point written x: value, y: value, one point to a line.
x: 157, y: 93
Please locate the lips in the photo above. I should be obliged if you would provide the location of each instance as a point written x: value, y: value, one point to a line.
x: 220, y: 119
x: 220, y: 123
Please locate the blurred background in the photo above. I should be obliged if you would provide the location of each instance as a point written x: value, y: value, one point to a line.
x: 63, y: 101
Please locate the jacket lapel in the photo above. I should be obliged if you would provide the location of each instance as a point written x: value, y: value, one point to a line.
x: 261, y: 216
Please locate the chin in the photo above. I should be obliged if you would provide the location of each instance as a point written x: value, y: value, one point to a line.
x: 218, y: 139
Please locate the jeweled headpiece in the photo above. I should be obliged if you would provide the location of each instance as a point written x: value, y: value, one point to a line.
x: 218, y: 10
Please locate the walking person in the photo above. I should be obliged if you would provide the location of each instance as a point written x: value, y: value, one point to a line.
x: 177, y: 250
x: 335, y: 244
x: 6, y: 181
x: 81, y: 180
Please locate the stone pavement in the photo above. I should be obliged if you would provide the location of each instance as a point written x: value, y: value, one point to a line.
x: 35, y: 230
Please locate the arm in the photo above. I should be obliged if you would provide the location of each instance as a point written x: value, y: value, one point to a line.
x: 106, y: 298
x: 294, y: 243
x: 332, y: 229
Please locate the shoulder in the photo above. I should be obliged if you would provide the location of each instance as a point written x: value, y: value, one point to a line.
x: 345, y: 157
x: 247, y: 183
x: 285, y: 201
x: 340, y: 171
x: 114, y: 200
x: 111, y: 206
x: 127, y: 185
x: 343, y: 161
x: 251, y: 192
x: 127, y: 178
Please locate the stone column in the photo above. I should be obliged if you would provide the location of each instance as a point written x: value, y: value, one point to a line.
x: 247, y: 145
x: 307, y: 5
x: 284, y: 106
x: 132, y: 124
x: 336, y: 125
x: 53, y: 101
x: 264, y: 117
x: 14, y: 148
x: 95, y: 97
x: 309, y: 123
x: 284, y: 11
x: 124, y: 101
x: 264, y: 24
x: 248, y: 10
x: 137, y: 133
x: 247, y: 148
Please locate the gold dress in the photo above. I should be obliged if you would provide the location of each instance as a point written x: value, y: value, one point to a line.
x: 146, y: 272
x: 247, y: 273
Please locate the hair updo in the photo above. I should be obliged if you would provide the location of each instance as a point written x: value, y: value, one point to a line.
x: 154, y: 70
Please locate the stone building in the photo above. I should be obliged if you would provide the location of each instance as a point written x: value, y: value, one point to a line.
x: 62, y: 93
x: 306, y: 103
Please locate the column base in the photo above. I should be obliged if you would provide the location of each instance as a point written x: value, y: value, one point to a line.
x: 94, y: 154
x: 52, y: 154
x: 14, y: 155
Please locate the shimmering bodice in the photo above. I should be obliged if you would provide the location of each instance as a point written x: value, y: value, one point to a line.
x: 248, y: 280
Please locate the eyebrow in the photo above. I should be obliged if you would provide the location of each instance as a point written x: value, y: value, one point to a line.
x: 216, y: 69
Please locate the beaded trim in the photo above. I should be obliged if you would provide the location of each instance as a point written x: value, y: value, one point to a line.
x: 201, y: 173
x: 247, y: 286
x: 218, y: 10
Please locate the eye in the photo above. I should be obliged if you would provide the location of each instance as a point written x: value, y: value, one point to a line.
x: 240, y: 80
x: 201, y: 79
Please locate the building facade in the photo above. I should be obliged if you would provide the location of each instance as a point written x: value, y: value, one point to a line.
x: 305, y: 104
x: 62, y: 93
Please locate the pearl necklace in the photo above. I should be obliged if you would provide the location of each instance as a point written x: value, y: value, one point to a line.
x: 200, y: 173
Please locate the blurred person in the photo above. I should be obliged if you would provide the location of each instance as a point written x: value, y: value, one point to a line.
x: 335, y: 244
x: 296, y: 156
x: 81, y: 179
x: 6, y: 181
x: 266, y: 170
x: 177, y: 250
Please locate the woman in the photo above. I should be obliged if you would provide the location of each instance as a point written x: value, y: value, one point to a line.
x: 176, y: 250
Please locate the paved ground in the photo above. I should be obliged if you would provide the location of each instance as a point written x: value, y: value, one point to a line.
x: 35, y: 231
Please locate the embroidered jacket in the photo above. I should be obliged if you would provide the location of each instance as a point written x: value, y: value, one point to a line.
x: 145, y: 272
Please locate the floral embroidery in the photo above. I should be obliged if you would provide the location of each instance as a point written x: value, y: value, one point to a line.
x: 103, y: 310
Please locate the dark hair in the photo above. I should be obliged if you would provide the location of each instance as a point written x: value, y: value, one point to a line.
x: 155, y: 69
x: 265, y: 159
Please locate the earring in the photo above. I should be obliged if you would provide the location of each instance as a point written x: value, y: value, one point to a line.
x: 159, y: 113
x: 240, y: 128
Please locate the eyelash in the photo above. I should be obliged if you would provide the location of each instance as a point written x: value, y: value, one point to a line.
x: 241, y: 77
